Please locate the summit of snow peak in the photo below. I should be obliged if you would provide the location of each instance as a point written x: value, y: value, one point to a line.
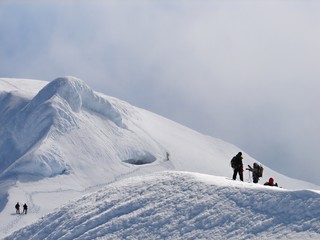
x: 76, y: 94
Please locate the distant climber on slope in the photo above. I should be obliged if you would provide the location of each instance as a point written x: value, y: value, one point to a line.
x: 271, y: 183
x: 256, y: 172
x: 237, y: 165
x: 17, y: 208
x: 25, y: 208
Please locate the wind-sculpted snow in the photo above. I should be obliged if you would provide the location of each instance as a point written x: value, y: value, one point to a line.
x: 77, y: 95
x: 28, y: 124
x: 178, y: 205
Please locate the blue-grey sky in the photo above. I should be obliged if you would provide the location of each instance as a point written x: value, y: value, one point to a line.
x: 245, y: 71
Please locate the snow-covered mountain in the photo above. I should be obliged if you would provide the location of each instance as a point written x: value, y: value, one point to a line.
x: 61, y: 140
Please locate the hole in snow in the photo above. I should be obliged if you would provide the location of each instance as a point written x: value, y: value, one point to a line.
x: 141, y: 160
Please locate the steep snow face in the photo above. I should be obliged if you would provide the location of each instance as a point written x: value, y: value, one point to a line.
x: 30, y: 125
x: 63, y: 127
x: 75, y: 94
x: 14, y: 96
x: 178, y: 205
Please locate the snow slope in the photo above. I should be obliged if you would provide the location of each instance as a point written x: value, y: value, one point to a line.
x: 61, y: 140
x: 180, y: 205
x: 67, y: 127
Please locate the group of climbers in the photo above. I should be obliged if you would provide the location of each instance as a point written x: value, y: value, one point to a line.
x: 236, y: 164
x: 25, y: 208
x: 257, y: 170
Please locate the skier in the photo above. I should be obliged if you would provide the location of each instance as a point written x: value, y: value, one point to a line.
x: 255, y: 172
x: 25, y: 208
x: 17, y: 208
x: 271, y: 183
x: 237, y: 165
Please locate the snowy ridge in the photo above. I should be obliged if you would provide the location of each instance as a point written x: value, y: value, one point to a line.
x: 61, y: 140
x: 75, y: 94
x: 179, y: 205
x: 53, y: 111
x: 64, y: 126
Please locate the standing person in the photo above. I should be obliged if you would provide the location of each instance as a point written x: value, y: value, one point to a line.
x: 255, y: 172
x: 17, y: 208
x: 237, y: 165
x: 25, y: 208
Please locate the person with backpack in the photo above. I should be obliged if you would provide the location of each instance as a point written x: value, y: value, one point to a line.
x: 237, y: 165
x: 271, y: 183
x: 25, y: 208
x: 256, y: 172
x: 17, y: 208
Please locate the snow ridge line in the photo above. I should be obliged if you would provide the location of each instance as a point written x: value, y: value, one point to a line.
x: 183, y: 205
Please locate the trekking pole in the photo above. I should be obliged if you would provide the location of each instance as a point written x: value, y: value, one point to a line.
x: 249, y: 177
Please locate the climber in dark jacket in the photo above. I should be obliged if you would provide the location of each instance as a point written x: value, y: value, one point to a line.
x: 237, y: 165
x: 25, y: 208
x: 17, y: 208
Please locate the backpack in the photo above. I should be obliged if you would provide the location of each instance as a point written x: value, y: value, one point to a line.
x: 233, y: 162
x: 260, y: 172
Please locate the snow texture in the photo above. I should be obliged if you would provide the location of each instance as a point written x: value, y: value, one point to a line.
x: 128, y: 172
x: 177, y: 205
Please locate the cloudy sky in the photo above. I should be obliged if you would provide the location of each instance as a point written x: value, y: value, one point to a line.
x: 243, y: 71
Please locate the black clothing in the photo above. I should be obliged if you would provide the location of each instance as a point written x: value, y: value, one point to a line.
x: 17, y: 208
x: 237, y: 166
x: 25, y: 208
x: 236, y: 171
x: 236, y: 161
x: 271, y: 184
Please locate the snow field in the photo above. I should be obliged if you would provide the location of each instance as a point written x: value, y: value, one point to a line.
x: 181, y: 205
